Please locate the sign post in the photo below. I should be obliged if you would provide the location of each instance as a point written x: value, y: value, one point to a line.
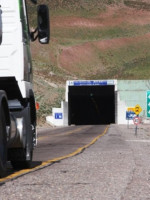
x: 136, y: 121
x: 130, y: 114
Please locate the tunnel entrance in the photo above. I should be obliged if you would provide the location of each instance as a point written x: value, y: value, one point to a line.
x: 91, y: 105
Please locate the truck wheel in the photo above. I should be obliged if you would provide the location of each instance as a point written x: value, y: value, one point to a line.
x: 22, y: 157
x: 3, y: 143
x: 23, y: 163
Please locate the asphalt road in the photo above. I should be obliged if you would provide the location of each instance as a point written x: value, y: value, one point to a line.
x: 57, y: 142
x: 116, y: 167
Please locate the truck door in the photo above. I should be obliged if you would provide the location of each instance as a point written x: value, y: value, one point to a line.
x: 26, y: 42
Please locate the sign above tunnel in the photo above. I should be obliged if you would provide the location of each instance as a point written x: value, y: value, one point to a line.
x: 91, y: 82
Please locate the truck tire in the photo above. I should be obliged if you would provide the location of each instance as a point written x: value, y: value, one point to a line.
x: 21, y: 157
x: 3, y: 143
x: 23, y: 163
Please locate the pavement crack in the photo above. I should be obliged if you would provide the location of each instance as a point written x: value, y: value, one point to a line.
x: 80, y: 183
x: 64, y: 171
x: 131, y: 177
x: 37, y: 184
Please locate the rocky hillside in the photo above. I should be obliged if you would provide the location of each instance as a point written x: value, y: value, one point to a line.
x: 91, y: 39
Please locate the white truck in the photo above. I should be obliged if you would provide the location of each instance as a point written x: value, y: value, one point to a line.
x: 17, y: 103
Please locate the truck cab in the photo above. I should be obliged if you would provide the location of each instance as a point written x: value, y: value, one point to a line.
x: 17, y: 102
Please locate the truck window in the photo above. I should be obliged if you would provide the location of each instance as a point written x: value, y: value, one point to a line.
x: 23, y: 18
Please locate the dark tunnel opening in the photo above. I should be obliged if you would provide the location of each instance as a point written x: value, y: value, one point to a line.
x: 91, y: 105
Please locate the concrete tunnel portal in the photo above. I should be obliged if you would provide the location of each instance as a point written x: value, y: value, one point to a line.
x: 91, y: 105
x: 96, y: 102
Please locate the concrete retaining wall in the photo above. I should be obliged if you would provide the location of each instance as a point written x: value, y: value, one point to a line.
x: 129, y: 94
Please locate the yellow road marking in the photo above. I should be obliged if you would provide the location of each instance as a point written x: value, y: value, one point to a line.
x: 48, y: 162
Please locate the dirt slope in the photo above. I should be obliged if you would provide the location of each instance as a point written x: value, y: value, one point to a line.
x: 118, y: 28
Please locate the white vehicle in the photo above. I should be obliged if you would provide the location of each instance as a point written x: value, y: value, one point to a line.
x: 17, y: 103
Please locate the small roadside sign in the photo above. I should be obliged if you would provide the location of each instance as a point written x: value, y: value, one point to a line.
x: 130, y: 115
x: 148, y: 103
x: 137, y: 109
x: 130, y: 109
x: 136, y: 120
x: 58, y: 116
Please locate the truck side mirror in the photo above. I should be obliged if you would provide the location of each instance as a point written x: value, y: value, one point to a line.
x: 43, y: 24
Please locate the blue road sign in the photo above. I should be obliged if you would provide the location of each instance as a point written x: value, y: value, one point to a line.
x: 130, y: 115
x: 58, y: 115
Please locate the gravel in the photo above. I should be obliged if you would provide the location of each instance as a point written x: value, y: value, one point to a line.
x: 116, y: 167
